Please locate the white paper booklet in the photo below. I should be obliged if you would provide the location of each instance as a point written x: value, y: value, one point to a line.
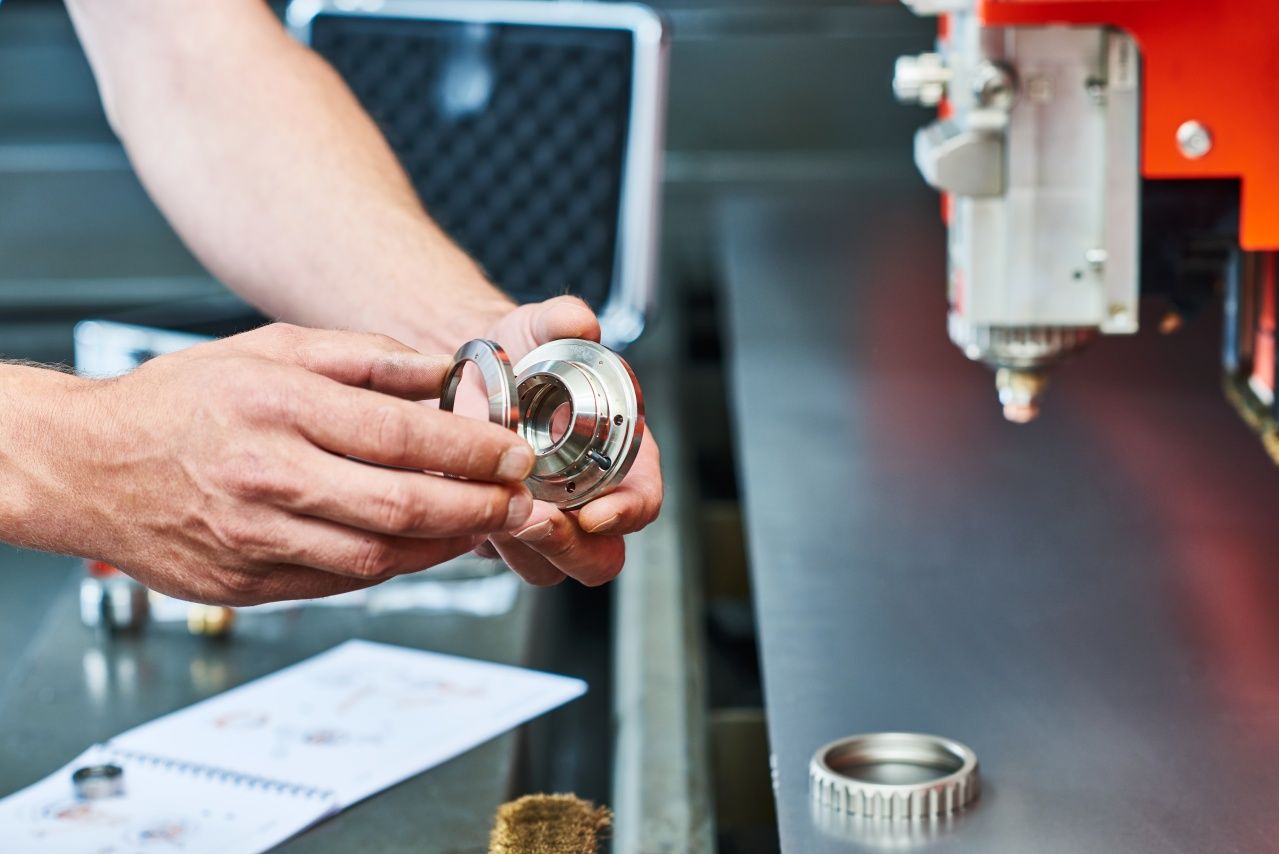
x: 327, y: 732
x: 165, y: 807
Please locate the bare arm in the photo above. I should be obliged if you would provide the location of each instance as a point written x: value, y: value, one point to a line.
x: 276, y: 178
x: 273, y: 174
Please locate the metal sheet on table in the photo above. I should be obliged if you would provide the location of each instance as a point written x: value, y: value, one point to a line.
x: 1091, y: 602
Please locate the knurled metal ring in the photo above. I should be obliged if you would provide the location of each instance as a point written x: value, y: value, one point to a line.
x: 894, y: 775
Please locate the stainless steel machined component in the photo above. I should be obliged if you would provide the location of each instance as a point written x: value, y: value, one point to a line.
x: 92, y: 782
x: 499, y: 380
x: 894, y: 775
x: 113, y: 602
x: 577, y: 403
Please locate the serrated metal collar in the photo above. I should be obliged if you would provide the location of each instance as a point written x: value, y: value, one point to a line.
x: 842, y: 775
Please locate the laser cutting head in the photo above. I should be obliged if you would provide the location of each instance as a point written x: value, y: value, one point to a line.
x: 1036, y: 150
x: 1092, y: 150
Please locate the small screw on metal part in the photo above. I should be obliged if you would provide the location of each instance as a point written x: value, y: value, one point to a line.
x: 1096, y: 259
x: 600, y: 460
x: 1194, y: 140
x: 994, y: 86
x: 1096, y: 90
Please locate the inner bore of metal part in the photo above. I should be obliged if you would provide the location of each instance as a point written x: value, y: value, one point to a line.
x: 546, y: 415
x: 903, y: 765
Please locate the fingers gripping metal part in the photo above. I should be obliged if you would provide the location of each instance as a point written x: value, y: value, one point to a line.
x: 577, y: 403
x: 499, y: 380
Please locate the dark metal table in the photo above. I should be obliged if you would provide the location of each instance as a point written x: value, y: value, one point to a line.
x: 1091, y: 602
x: 64, y: 689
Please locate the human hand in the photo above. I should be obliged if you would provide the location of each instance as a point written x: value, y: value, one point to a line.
x: 223, y: 473
x: 586, y: 543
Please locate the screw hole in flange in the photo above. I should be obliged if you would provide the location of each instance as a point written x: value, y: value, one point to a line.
x: 571, y: 486
x: 617, y: 419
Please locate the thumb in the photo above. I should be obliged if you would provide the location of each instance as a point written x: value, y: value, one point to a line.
x: 531, y: 326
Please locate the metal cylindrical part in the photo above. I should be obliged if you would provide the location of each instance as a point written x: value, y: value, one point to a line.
x: 577, y: 403
x: 92, y: 782
x: 894, y: 775
x: 113, y: 602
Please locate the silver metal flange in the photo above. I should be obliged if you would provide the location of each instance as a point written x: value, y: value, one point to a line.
x: 601, y: 397
x: 577, y: 403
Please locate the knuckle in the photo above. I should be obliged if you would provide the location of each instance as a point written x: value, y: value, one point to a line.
x: 385, y: 342
x: 239, y: 587
x: 398, y: 511
x: 545, y: 579
x: 573, y: 300
x: 492, y: 510
x: 245, y: 475
x: 559, y: 544
x: 391, y: 431
x: 266, y: 401
x: 283, y: 331
x: 608, y: 569
x: 374, y: 558
x: 233, y: 534
x: 653, y: 504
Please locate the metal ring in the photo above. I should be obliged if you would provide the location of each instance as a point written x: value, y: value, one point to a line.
x: 499, y: 380
x: 98, y: 781
x: 894, y: 775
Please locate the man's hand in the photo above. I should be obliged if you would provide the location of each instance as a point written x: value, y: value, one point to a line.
x: 289, y: 190
x: 225, y: 473
x: 585, y: 544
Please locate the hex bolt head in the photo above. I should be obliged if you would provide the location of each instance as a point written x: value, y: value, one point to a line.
x: 1194, y: 140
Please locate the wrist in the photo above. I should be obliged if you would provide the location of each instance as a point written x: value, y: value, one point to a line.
x: 451, y: 321
x: 43, y: 422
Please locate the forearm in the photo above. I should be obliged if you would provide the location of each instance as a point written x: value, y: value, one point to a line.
x: 39, y: 411
x: 273, y: 174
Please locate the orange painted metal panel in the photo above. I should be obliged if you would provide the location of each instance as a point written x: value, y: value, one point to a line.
x: 1211, y: 61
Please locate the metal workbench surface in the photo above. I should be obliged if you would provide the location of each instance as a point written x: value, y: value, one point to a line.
x: 1091, y: 602
x: 65, y: 689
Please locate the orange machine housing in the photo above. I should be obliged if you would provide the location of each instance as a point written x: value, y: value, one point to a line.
x: 1211, y: 61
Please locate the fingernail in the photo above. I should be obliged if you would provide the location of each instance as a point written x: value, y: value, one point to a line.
x: 533, y: 533
x: 516, y: 463
x: 519, y: 509
x: 605, y: 526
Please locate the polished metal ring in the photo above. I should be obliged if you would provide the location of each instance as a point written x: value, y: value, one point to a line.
x: 499, y: 380
x: 894, y: 775
x: 577, y: 403
x: 98, y: 781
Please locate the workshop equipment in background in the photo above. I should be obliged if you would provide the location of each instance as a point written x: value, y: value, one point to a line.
x: 114, y: 602
x: 1089, y: 150
x: 211, y: 621
x: 532, y: 132
x: 549, y: 824
x: 110, y: 600
x: 577, y: 403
